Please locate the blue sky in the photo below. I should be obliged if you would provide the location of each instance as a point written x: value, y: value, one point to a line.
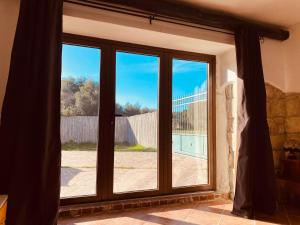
x: 136, y: 75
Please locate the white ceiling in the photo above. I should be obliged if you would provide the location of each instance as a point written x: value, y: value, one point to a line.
x: 120, y: 27
x: 284, y: 13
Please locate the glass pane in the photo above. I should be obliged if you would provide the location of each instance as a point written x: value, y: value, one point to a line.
x: 79, y: 120
x: 189, y: 123
x: 135, y: 153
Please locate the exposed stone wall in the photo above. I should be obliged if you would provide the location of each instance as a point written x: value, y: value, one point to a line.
x: 231, y: 132
x: 222, y: 162
x: 283, y: 112
x: 293, y: 116
x: 276, y: 114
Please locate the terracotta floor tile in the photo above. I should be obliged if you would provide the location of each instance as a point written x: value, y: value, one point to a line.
x: 233, y: 220
x: 174, y: 215
x: 206, y: 213
x: 179, y: 214
x: 199, y: 220
x: 203, y: 217
x: 229, y: 219
x: 210, y: 213
x: 153, y: 220
x: 216, y: 207
x: 110, y: 221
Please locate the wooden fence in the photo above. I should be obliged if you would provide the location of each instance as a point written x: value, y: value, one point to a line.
x: 79, y: 129
x: 139, y: 129
x: 189, y: 116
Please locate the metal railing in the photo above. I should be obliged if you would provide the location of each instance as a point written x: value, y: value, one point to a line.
x: 189, y: 113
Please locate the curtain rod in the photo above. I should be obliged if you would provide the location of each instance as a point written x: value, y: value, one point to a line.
x: 187, y: 16
x: 145, y: 15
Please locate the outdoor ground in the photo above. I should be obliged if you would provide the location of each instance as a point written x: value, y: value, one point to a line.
x: 134, y: 170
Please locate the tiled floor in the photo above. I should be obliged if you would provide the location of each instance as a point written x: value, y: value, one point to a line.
x: 213, y: 213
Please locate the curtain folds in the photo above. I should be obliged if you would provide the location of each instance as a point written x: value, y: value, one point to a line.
x: 255, y: 181
x: 30, y: 121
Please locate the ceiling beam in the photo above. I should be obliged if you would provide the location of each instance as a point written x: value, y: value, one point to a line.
x: 199, y: 16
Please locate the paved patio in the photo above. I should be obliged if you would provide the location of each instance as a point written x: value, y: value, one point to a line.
x: 133, y: 171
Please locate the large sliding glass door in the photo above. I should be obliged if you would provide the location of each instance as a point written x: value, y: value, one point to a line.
x: 135, y: 149
x: 80, y: 87
x: 153, y: 132
x: 189, y: 123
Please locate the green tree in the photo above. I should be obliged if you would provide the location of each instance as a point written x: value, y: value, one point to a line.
x: 132, y: 109
x: 87, y: 99
x: 68, y: 88
x: 80, y: 97
x: 119, y: 111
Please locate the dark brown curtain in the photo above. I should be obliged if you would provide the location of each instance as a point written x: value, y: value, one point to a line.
x: 30, y: 120
x: 255, y: 182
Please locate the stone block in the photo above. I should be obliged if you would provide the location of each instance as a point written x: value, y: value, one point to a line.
x: 229, y: 139
x: 231, y: 159
x: 293, y: 105
x: 273, y: 92
x: 276, y: 125
x: 276, y: 158
x: 230, y: 125
x: 229, y: 112
x: 268, y: 107
x: 293, y: 124
x: 277, y: 108
x: 277, y: 141
x: 294, y: 136
x: 229, y: 91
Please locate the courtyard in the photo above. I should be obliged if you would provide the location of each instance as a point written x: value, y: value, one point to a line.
x: 133, y: 170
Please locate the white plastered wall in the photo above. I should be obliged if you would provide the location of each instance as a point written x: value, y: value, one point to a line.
x: 281, y: 61
x: 291, y: 51
x: 273, y: 62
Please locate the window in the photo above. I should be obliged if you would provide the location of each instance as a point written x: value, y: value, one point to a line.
x: 145, y: 128
x: 135, y: 151
x: 80, y: 89
x: 189, y: 123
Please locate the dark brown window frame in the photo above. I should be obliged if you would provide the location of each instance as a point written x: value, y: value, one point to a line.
x: 104, y: 183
